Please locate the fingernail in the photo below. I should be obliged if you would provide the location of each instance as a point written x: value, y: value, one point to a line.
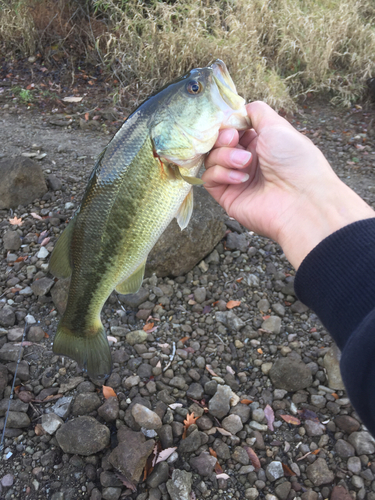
x: 238, y: 176
x: 227, y: 137
x: 240, y: 157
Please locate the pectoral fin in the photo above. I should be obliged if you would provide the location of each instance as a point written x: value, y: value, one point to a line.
x: 186, y: 209
x: 134, y: 282
x: 59, y: 264
x: 173, y: 172
x: 194, y: 181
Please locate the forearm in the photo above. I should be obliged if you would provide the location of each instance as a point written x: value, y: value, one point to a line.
x: 319, y: 214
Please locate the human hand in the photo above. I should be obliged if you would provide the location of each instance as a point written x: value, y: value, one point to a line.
x: 275, y: 182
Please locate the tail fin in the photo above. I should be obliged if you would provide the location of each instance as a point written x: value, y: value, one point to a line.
x: 92, y: 353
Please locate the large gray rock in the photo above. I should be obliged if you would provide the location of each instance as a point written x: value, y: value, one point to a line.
x: 83, y: 436
x: 290, y: 374
x: 177, y: 252
x: 22, y: 181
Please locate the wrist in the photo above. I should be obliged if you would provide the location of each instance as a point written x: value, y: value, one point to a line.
x: 318, y: 215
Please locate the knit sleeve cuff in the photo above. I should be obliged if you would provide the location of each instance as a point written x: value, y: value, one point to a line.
x: 337, y: 279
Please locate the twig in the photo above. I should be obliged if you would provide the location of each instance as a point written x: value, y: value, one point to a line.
x: 171, y: 357
x: 36, y: 412
x: 11, y: 392
x: 221, y: 340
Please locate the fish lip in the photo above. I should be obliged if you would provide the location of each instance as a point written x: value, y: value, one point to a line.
x: 222, y: 76
x: 235, y: 115
x: 226, y: 85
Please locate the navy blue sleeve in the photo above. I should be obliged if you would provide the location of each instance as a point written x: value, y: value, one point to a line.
x: 337, y: 281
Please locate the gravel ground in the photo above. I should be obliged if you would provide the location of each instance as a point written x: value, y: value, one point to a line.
x: 262, y: 376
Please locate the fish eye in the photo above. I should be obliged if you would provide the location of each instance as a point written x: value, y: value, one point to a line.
x: 194, y: 87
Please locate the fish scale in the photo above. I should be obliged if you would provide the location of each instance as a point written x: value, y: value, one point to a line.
x: 140, y: 182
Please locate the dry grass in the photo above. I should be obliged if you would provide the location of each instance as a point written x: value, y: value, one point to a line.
x: 276, y: 50
x: 17, y: 29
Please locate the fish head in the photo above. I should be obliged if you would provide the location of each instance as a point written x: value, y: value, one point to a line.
x: 190, y: 112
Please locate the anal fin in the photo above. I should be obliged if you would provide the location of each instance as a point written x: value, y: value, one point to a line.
x: 186, y: 209
x: 134, y: 282
x: 59, y: 264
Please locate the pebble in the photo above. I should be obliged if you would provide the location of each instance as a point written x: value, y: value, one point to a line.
x: 274, y: 471
x: 230, y: 319
x: 11, y: 240
x: 354, y: 465
x: 7, y: 480
x: 332, y: 366
x: 232, y: 424
x: 219, y: 404
x: 136, y: 337
x: 344, y: 449
x: 363, y: 443
x: 318, y: 472
x: 86, y: 403
x: 190, y: 443
x: 43, y: 253
x: 179, y: 487
x: 131, y: 454
x: 51, y: 423
x: 42, y: 286
x: 241, y: 456
x: 109, y: 411
x: 251, y: 493
x: 272, y: 324
x: 159, y: 475
x: 290, y: 374
x: 204, y: 464
x: 146, y: 418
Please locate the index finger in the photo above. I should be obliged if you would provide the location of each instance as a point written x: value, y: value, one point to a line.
x: 228, y: 137
x: 262, y: 115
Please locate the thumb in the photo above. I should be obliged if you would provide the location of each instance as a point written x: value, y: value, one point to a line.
x: 262, y: 115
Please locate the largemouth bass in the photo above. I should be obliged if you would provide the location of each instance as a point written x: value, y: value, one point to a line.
x: 141, y: 181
